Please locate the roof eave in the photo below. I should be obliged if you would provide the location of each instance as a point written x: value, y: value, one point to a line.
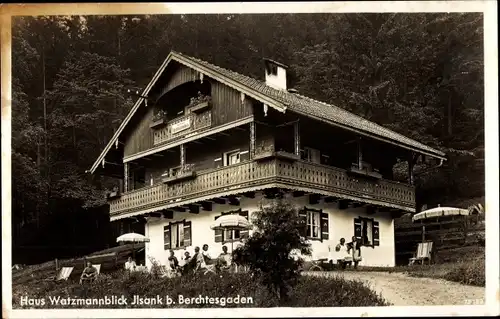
x: 130, y: 114
x: 434, y: 153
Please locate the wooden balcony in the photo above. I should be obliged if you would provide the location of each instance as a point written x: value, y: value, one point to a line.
x: 275, y: 172
x: 181, y: 126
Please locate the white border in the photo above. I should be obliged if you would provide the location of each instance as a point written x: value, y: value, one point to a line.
x: 489, y: 8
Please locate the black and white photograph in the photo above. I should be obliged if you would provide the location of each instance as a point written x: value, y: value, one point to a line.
x: 249, y: 158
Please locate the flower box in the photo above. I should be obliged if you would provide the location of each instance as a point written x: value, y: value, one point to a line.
x: 158, y: 123
x: 287, y: 156
x: 200, y: 107
x: 114, y: 194
x: 179, y: 174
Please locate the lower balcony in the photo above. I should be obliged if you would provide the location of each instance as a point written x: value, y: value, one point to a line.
x: 255, y: 175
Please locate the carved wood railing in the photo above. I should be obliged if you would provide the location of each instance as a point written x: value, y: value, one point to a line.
x: 181, y: 126
x: 254, y: 173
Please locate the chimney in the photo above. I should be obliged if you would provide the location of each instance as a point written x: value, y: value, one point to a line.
x: 275, y: 74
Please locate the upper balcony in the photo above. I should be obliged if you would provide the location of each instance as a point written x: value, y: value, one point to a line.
x: 272, y: 171
x: 197, y: 116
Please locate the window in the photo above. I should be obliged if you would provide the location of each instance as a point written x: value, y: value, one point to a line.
x: 311, y: 155
x: 223, y: 236
x: 271, y: 69
x: 231, y: 234
x: 231, y: 158
x: 177, y: 235
x: 315, y: 223
x: 367, y: 231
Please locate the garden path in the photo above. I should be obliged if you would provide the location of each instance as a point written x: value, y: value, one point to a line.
x: 402, y: 290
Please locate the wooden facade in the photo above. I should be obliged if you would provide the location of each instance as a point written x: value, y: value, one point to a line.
x: 212, y: 140
x: 253, y: 174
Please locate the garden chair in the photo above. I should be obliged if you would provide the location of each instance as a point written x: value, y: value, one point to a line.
x: 208, y: 269
x: 63, y: 274
x: 424, y: 252
x: 165, y: 271
x: 317, y: 265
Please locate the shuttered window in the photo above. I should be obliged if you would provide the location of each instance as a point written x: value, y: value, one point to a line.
x: 314, y: 224
x: 367, y: 231
x: 222, y: 236
x: 177, y: 235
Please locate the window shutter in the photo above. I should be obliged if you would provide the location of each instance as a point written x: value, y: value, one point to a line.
x: 324, y: 225
x: 166, y: 237
x: 357, y: 228
x: 303, y: 222
x: 376, y: 234
x: 187, y: 234
x: 244, y: 233
x: 219, y: 233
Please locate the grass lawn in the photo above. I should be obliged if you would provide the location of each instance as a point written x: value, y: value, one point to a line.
x: 309, y: 291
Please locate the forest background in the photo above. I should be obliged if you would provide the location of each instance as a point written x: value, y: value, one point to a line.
x: 420, y: 74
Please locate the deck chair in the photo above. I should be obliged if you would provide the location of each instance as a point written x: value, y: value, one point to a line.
x: 424, y: 252
x: 98, y: 268
x: 63, y: 274
x: 165, y: 271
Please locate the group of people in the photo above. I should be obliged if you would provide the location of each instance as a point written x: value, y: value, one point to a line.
x: 347, y: 253
x: 201, y: 260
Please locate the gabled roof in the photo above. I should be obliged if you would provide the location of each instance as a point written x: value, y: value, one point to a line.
x: 281, y: 100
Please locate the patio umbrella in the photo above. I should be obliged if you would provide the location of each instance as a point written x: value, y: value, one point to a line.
x: 132, y: 238
x: 231, y: 222
x: 440, y: 211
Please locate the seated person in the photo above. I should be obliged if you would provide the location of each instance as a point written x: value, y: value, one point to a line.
x: 224, y: 260
x: 88, y: 274
x: 130, y: 265
x: 188, y: 262
x: 207, y: 256
x: 198, y: 259
x: 343, y: 257
x: 173, y: 262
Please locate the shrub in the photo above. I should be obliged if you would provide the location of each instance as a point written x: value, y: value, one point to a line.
x: 268, y: 251
x: 470, y: 273
x: 309, y: 291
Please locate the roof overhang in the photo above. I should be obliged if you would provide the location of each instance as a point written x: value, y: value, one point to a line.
x: 437, y: 154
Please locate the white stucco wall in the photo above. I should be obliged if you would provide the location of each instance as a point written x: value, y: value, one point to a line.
x: 277, y: 81
x: 341, y: 224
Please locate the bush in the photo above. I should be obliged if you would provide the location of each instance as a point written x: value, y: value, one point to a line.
x: 268, y: 252
x: 470, y: 273
x: 308, y: 292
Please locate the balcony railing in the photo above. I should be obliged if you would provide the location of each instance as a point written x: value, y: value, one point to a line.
x: 253, y: 173
x: 181, y: 126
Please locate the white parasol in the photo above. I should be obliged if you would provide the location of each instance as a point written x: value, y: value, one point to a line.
x: 132, y: 238
x: 440, y: 211
x: 231, y: 222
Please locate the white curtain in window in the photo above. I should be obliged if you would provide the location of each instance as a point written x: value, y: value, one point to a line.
x: 180, y: 227
x: 316, y: 224
x: 174, y: 236
x: 309, y: 224
x: 369, y: 228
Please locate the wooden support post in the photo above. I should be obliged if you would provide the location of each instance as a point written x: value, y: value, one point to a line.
x: 183, y: 155
x: 252, y: 139
x: 411, y: 162
x: 125, y: 177
x: 57, y: 265
x: 296, y: 133
x: 423, y: 233
x: 360, y: 155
